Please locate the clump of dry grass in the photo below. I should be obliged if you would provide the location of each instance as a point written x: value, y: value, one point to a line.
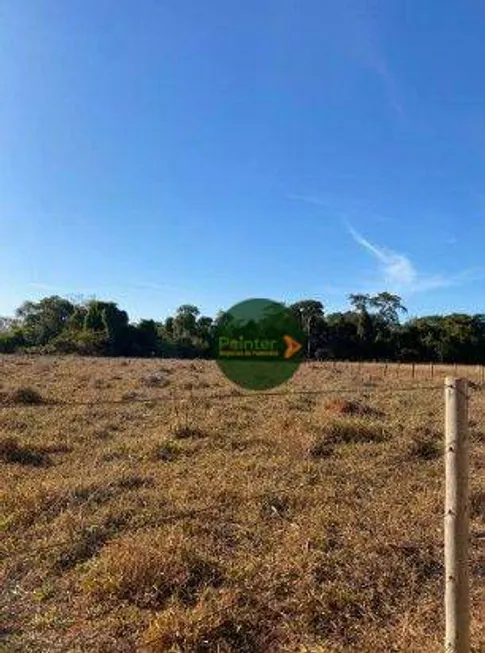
x: 22, y: 396
x: 424, y: 448
x: 12, y: 451
x: 342, y: 406
x: 320, y: 448
x: 477, y: 505
x: 83, y: 540
x: 40, y: 503
x: 133, y: 481
x: 352, y: 431
x: 101, y: 492
x: 425, y: 443
x: 273, y: 505
x: 184, y: 432
x: 303, y: 403
x: 348, y: 595
x: 477, y: 435
x: 224, y: 620
x: 166, y: 451
x: 152, y: 568
x: 130, y: 396
x: 155, y: 381
x: 345, y: 429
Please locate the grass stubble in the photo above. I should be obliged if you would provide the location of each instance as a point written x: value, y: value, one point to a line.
x: 208, y: 521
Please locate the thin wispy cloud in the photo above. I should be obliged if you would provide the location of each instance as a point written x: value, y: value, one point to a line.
x: 362, y: 43
x: 318, y: 201
x: 379, y: 66
x: 344, y: 208
x: 308, y: 199
x: 399, y: 273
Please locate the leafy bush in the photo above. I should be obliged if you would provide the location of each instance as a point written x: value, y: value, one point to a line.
x: 10, y: 342
x: 84, y: 343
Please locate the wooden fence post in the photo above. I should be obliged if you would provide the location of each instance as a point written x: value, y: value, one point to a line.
x: 457, y: 599
x: 413, y: 370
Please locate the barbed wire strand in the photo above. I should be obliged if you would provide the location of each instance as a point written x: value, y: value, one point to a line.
x: 227, y: 396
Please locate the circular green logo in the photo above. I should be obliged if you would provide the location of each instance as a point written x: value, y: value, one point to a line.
x: 259, y: 344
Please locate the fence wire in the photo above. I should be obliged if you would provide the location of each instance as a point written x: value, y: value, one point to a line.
x: 46, y: 403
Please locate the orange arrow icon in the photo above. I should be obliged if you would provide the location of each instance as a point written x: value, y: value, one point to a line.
x: 292, y: 347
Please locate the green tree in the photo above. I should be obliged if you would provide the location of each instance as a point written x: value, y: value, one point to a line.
x: 112, y: 322
x: 185, y: 338
x: 185, y: 322
x: 342, y: 341
x: 311, y: 318
x: 11, y: 341
x: 115, y: 322
x: 44, y: 320
x: 388, y: 307
x: 386, y: 326
x: 365, y: 325
x: 306, y: 310
x: 146, y: 339
x: 7, y: 324
x: 78, y: 318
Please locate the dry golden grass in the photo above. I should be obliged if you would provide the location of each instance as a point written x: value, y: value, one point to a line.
x: 169, y: 511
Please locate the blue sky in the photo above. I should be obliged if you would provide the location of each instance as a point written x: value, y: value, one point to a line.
x: 163, y: 152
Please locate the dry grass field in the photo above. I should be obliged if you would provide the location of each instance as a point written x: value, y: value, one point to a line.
x: 168, y: 511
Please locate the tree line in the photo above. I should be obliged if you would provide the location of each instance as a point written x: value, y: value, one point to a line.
x: 371, y: 329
